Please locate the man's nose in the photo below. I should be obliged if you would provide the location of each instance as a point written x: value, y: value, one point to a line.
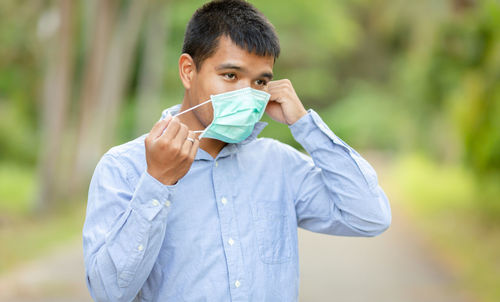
x: 249, y: 83
x: 243, y: 83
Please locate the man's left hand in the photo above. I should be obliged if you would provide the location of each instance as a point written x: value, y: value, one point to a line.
x: 284, y: 105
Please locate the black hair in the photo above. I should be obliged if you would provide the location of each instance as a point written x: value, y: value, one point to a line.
x: 239, y: 20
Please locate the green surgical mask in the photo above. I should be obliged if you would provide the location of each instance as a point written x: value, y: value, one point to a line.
x: 235, y: 114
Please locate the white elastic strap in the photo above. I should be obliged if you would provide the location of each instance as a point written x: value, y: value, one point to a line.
x: 192, y: 108
x: 201, y: 104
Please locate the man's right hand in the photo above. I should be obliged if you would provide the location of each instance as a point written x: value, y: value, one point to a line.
x: 169, y: 154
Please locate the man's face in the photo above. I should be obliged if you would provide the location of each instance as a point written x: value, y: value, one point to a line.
x: 229, y: 68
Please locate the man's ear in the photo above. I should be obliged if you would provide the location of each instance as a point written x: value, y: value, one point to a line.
x: 187, y: 70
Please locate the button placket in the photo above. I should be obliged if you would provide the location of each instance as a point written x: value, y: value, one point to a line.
x: 228, y: 225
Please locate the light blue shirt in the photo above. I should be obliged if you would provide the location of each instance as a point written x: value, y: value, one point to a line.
x: 227, y: 231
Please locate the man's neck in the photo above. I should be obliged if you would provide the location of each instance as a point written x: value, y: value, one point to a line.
x: 209, y: 145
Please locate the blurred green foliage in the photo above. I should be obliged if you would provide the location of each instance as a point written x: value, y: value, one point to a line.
x: 384, y: 74
x: 434, y: 188
x: 441, y: 199
x: 18, y: 82
x: 17, y: 187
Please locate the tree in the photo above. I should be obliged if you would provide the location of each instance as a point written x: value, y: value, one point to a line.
x: 55, y: 100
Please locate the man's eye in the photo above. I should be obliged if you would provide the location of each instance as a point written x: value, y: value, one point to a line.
x: 230, y: 75
x: 261, y: 82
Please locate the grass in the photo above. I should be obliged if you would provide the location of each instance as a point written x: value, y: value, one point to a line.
x: 444, y: 202
x: 17, y: 189
x: 27, y: 238
x: 23, y: 235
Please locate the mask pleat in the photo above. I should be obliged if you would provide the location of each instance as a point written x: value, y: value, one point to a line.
x: 235, y: 114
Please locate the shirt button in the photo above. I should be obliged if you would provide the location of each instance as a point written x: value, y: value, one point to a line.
x: 216, y: 164
x: 230, y: 241
x: 155, y: 202
x: 167, y: 203
x: 140, y: 247
x: 237, y: 283
x: 223, y: 200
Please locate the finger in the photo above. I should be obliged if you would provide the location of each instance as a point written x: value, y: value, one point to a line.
x: 273, y: 104
x: 158, y: 128
x: 194, y: 149
x: 277, y: 84
x: 186, y: 147
x: 172, y: 129
x: 276, y: 96
x: 279, y: 88
x: 192, y: 136
x: 283, y: 82
x: 181, y: 135
x: 279, y: 94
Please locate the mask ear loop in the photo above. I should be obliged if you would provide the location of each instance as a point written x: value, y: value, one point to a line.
x: 187, y: 110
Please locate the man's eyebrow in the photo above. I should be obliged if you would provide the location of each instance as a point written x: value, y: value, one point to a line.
x: 268, y: 75
x: 229, y: 66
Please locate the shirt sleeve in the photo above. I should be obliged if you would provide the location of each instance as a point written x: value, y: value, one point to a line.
x: 124, y: 230
x: 335, y: 190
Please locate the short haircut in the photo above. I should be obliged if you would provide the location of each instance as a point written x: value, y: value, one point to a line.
x: 239, y: 20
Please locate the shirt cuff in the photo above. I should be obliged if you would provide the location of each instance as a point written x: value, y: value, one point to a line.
x: 151, y: 197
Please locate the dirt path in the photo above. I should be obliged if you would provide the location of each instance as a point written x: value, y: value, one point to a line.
x: 393, y: 267
x: 55, y: 277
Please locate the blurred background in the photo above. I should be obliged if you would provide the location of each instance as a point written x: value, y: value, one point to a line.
x: 414, y: 86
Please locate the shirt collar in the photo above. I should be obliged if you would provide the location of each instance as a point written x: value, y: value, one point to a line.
x: 229, y: 148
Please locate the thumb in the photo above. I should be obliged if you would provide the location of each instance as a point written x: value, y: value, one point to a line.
x: 160, y: 126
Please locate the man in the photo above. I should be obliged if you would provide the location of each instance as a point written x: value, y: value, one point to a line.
x: 176, y: 215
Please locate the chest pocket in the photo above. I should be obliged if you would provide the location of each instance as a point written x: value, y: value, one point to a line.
x: 272, y: 231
